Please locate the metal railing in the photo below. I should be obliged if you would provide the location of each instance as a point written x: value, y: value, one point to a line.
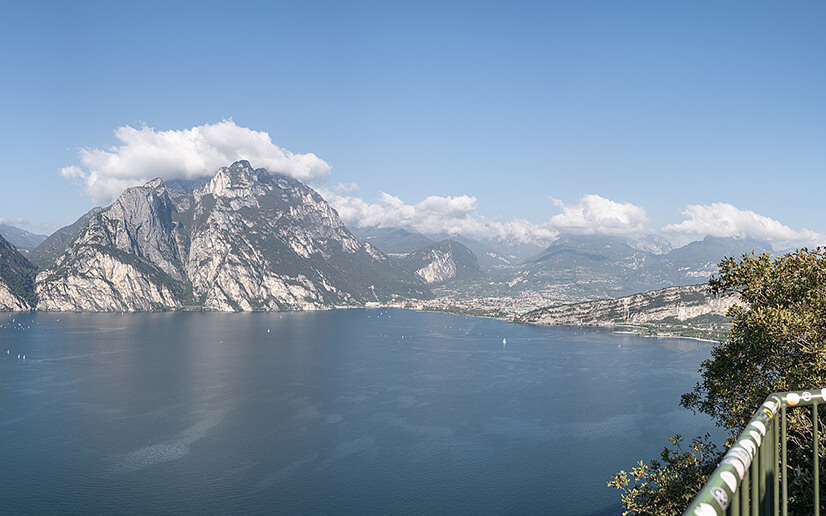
x: 752, y: 479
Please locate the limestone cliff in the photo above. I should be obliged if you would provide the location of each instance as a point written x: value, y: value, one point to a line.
x: 680, y: 303
x: 441, y: 262
x: 244, y: 240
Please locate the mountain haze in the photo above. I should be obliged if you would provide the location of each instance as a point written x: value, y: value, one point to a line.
x: 20, y: 238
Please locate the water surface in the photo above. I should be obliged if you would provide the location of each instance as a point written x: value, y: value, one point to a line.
x: 339, y: 412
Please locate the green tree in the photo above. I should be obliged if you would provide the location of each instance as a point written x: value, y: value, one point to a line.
x: 667, y: 486
x: 777, y: 343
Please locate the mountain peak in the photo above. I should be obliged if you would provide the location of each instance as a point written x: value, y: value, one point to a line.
x: 241, y: 163
x: 232, y: 181
x: 155, y: 183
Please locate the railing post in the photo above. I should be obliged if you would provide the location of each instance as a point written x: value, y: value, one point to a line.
x: 775, y: 467
x: 734, y: 508
x: 785, y: 470
x: 763, y: 467
x: 755, y: 486
x: 816, y: 459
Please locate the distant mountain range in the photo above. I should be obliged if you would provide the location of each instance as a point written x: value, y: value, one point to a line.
x: 23, y: 240
x: 490, y: 253
x: 393, y: 240
x: 596, y: 267
x: 247, y: 239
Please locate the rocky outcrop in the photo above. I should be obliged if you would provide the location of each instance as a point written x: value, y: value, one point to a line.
x: 10, y: 302
x: 680, y: 303
x: 244, y: 240
x: 441, y: 262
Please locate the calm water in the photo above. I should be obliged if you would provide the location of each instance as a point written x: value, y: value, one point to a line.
x: 341, y: 412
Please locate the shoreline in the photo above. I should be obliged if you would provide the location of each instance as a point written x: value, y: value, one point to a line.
x: 376, y: 306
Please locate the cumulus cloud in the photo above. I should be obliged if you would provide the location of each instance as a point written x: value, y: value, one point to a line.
x: 18, y: 220
x: 346, y: 187
x: 459, y: 215
x: 452, y: 215
x: 725, y: 220
x: 594, y: 214
x: 145, y: 153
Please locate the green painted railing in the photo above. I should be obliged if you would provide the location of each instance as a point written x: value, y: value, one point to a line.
x: 752, y: 478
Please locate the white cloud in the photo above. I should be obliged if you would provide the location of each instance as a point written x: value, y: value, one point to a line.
x: 459, y: 215
x: 14, y: 222
x: 146, y: 153
x: 433, y: 215
x: 594, y: 214
x: 725, y: 220
x: 346, y: 187
x: 72, y: 172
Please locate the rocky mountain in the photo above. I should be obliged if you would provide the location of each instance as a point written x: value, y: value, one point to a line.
x: 493, y: 253
x: 650, y: 243
x: 243, y: 240
x: 16, y: 279
x: 589, y: 266
x: 593, y: 267
x: 698, y: 260
x: 393, y: 240
x: 23, y: 240
x: 442, y: 261
x: 683, y: 303
x: 45, y: 254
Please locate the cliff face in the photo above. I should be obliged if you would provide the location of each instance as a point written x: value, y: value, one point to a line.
x: 441, y: 262
x: 16, y: 279
x: 10, y: 302
x: 245, y: 240
x: 680, y: 303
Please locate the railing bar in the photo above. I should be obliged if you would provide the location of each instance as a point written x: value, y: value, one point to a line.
x: 766, y: 476
x: 734, y: 508
x: 770, y: 467
x: 816, y: 466
x: 755, y: 486
x: 775, y: 458
x: 762, y: 451
x: 784, y: 469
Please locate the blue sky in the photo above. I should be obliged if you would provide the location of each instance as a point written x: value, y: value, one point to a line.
x: 522, y: 107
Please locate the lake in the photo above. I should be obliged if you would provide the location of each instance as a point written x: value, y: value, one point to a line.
x: 334, y: 412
